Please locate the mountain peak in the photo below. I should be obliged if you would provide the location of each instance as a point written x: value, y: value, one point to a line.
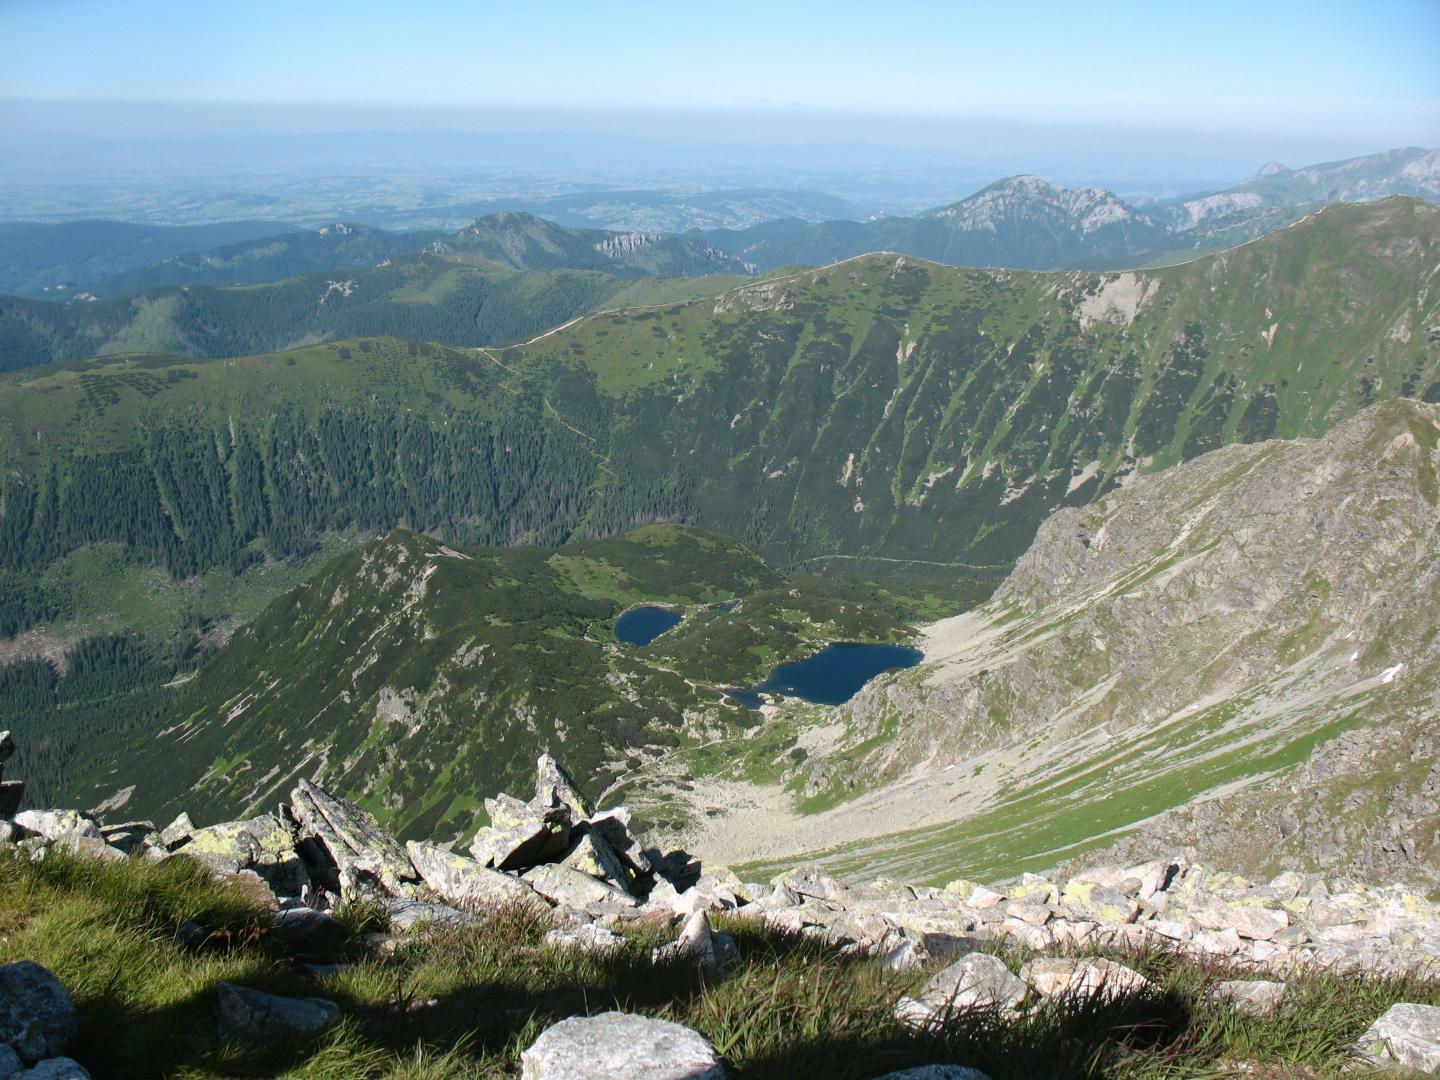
x: 1270, y: 168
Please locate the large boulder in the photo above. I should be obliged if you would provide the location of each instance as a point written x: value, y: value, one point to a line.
x: 251, y: 1016
x: 620, y: 1046
x: 263, y: 844
x: 36, y: 1016
x: 592, y: 854
x: 365, y: 857
x: 975, y: 981
x: 520, y: 835
x: 468, y: 885
x: 55, y: 825
x: 1406, y: 1038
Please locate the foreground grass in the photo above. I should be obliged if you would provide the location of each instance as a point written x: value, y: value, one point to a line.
x: 466, y: 1003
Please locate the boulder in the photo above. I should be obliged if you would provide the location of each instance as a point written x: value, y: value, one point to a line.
x: 519, y: 839
x: 936, y: 1072
x: 36, y: 1016
x: 252, y: 1016
x: 587, y: 938
x: 468, y: 885
x: 592, y: 854
x: 975, y: 981
x: 365, y: 857
x: 58, y: 824
x: 1087, y: 977
x: 571, y: 888
x: 613, y: 826
x: 1406, y: 1038
x: 263, y: 844
x: 60, y: 1068
x: 308, y: 930
x: 620, y: 1046
x: 1256, y: 998
x: 130, y: 836
x: 178, y: 832
x: 553, y: 787
x: 695, y: 944
x: 10, y: 1062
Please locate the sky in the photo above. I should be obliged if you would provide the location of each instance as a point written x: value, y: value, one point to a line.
x: 1304, y: 69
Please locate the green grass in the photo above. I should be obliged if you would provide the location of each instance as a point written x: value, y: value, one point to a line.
x: 466, y: 1003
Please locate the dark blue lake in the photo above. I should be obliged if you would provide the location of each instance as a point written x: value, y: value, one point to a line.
x: 642, y: 625
x: 832, y: 676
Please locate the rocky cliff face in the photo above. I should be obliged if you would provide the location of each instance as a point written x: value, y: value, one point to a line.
x: 1257, y: 623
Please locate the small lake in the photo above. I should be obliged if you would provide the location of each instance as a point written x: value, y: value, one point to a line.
x: 642, y: 625
x: 832, y: 676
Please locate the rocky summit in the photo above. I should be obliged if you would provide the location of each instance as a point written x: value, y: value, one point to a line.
x: 999, y: 951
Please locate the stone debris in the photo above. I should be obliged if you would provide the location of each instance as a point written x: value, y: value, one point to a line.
x: 620, y: 1046
x: 36, y: 1016
x: 1406, y: 1038
x: 245, y: 1015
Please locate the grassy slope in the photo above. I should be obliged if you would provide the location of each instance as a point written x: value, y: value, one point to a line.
x: 466, y: 1003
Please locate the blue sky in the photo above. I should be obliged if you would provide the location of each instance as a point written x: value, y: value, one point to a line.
x: 1301, y: 68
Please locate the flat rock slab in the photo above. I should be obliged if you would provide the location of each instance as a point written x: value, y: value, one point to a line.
x: 409, y: 914
x: 250, y: 1016
x: 466, y: 884
x: 589, y: 938
x: 620, y: 1046
x: 1407, y: 1037
x: 573, y: 889
x: 36, y: 1016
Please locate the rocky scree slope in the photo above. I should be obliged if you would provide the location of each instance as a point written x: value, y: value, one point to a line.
x: 556, y: 857
x: 1257, y: 623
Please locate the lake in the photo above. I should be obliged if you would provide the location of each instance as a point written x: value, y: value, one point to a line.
x: 832, y: 676
x: 642, y: 625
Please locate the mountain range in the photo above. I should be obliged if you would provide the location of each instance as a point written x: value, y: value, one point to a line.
x: 883, y: 415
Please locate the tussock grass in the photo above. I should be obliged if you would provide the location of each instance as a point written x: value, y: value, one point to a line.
x: 465, y: 1003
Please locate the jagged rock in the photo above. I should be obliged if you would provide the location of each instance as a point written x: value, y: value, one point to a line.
x: 620, y: 1046
x: 592, y: 854
x: 56, y: 824
x: 1254, y: 998
x: 1407, y: 1037
x: 408, y: 914
x: 1088, y: 977
x: 178, y: 832
x: 571, y: 888
x: 614, y: 827
x: 696, y: 944
x: 553, y: 787
x: 589, y: 938
x: 467, y: 884
x: 517, y: 841
x: 976, y: 981
x: 936, y: 1072
x: 36, y: 1016
x: 263, y: 844
x: 245, y: 1015
x: 11, y: 794
x: 60, y: 1068
x: 364, y: 855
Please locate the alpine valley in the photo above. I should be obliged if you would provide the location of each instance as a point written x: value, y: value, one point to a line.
x: 393, y: 567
